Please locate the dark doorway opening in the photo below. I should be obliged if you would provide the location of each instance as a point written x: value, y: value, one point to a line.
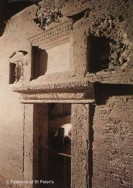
x: 55, y: 155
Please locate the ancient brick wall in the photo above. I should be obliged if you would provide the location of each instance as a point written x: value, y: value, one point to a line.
x: 11, y: 112
x: 11, y: 126
x: 112, y: 145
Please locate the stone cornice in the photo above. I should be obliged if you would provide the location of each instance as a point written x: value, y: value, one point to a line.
x: 71, y: 91
x: 56, y: 30
x: 71, y: 86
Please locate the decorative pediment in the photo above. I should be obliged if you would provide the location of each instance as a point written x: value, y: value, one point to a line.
x: 17, y: 56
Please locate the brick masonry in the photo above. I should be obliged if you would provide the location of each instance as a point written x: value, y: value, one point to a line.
x: 112, y: 145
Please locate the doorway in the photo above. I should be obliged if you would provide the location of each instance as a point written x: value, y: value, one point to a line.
x: 53, y: 124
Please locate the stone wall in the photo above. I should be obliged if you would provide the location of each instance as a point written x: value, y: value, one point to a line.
x: 112, y: 148
x: 11, y: 113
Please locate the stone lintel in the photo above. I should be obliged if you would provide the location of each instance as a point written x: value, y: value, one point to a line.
x: 58, y: 101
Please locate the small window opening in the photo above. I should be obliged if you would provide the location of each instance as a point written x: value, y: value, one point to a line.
x: 12, y: 73
x: 15, y: 72
x: 39, y: 62
x: 98, y: 53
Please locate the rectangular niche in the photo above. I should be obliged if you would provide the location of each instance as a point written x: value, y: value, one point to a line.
x: 59, y: 58
x: 98, y: 53
x: 55, y: 154
x: 39, y: 62
x: 12, y: 73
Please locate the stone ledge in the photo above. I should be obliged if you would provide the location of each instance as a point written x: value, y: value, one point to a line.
x: 113, y: 77
x: 59, y: 101
x: 60, y: 92
x: 59, y: 87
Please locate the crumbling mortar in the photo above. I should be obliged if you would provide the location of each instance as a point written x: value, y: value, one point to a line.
x: 47, y: 14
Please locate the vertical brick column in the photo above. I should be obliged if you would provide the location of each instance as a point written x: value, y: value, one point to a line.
x: 80, y: 147
x: 35, y: 143
x: 28, y: 144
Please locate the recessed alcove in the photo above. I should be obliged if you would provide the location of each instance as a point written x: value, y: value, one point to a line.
x: 15, y: 72
x: 39, y: 62
x: 12, y: 77
x: 98, y: 53
x: 51, y: 59
x: 16, y: 66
